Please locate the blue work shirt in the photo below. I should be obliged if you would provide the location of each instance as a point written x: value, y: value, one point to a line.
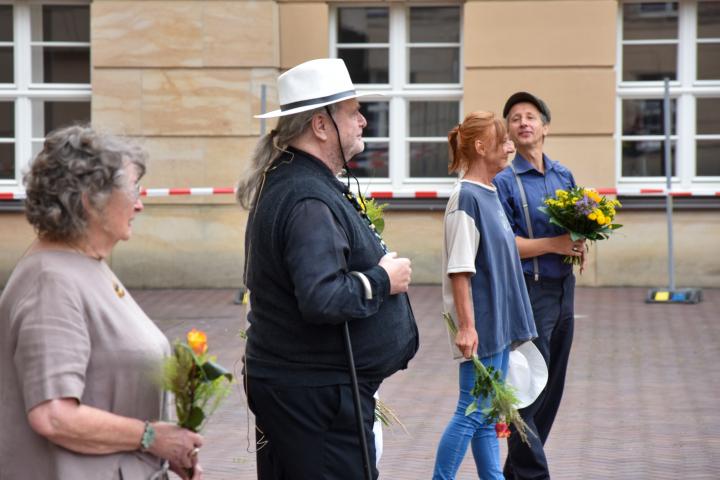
x: 538, y: 187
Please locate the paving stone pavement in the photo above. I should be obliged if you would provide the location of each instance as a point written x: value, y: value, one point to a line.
x: 640, y: 403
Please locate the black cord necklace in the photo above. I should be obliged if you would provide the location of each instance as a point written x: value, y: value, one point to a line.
x: 358, y: 203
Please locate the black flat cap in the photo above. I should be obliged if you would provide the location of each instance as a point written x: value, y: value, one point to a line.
x: 520, y: 97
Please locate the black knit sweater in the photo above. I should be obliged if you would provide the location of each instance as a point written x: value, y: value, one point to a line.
x: 303, y: 239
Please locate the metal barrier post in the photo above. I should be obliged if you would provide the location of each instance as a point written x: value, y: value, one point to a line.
x: 670, y: 294
x: 668, y: 185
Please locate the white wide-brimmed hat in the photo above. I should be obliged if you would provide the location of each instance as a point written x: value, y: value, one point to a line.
x: 313, y: 84
x: 527, y: 373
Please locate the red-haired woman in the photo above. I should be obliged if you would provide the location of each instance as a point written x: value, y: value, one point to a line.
x: 483, y: 286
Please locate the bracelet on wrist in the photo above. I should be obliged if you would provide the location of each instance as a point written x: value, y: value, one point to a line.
x: 148, y: 437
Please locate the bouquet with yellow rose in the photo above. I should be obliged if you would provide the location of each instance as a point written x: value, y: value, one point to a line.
x: 584, y: 213
x: 197, y: 382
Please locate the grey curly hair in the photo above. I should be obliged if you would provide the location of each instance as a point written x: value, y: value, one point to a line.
x: 76, y: 160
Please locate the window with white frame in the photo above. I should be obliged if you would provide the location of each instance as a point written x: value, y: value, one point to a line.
x: 44, y: 77
x: 410, y: 54
x: 679, y: 41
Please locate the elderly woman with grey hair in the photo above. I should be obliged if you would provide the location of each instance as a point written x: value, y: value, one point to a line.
x: 80, y: 397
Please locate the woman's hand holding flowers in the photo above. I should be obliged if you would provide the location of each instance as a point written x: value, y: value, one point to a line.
x: 466, y: 340
x: 199, y: 385
x: 175, y: 444
x: 197, y: 472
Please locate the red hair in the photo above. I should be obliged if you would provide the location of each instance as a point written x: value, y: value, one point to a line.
x: 483, y: 126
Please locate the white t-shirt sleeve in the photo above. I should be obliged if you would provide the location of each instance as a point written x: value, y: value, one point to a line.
x: 462, y: 240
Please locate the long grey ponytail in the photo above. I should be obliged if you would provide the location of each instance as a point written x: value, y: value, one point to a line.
x: 270, y: 147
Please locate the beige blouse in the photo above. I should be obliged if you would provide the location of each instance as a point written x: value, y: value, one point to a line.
x: 68, y: 329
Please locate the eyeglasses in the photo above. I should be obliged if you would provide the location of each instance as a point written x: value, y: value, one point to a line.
x: 136, y: 192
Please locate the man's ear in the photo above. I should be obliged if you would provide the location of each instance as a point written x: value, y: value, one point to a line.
x: 319, y: 125
x: 545, y: 130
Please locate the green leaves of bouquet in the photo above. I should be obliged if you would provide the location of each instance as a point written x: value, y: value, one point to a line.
x: 375, y: 212
x: 490, y: 387
x: 197, y: 382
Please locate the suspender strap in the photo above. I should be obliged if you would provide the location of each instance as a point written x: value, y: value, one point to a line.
x: 526, y: 211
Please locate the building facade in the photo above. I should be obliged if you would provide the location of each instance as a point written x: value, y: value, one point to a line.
x: 186, y: 78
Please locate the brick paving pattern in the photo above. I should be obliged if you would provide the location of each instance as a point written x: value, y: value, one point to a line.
x: 640, y: 399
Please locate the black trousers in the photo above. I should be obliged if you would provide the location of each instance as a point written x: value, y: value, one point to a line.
x: 553, y: 307
x: 310, y: 433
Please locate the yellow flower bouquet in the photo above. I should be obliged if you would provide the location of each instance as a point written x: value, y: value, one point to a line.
x: 197, y: 382
x: 584, y: 213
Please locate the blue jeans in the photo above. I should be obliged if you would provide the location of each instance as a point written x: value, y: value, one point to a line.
x: 473, y: 429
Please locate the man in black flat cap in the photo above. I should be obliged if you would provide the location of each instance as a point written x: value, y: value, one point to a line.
x: 522, y: 187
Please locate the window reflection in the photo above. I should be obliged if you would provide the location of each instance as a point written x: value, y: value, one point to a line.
x: 7, y: 131
x: 642, y: 63
x: 646, y: 117
x: 53, y: 63
x: 708, y: 116
x: 48, y: 116
x: 708, y: 20
x: 434, y: 65
x: 6, y: 23
x: 7, y: 119
x: 650, y: 21
x: 7, y: 69
x: 61, y: 65
x: 60, y: 114
x: 363, y: 25
x: 377, y: 115
x: 641, y: 158
x: 429, y: 160
x: 65, y: 23
x: 708, y: 61
x: 708, y: 158
x: 434, y: 24
x: 366, y: 65
x: 372, y: 162
x: 433, y: 119
x: 7, y: 161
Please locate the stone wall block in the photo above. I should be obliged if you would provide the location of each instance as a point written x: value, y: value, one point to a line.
x: 197, y: 102
x: 540, y: 33
x: 117, y: 99
x: 240, y: 34
x: 147, y: 34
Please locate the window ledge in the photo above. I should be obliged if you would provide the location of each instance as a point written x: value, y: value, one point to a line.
x: 12, y: 206
x: 644, y: 203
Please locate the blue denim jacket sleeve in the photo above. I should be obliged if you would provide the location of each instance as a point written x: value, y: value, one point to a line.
x: 316, y: 252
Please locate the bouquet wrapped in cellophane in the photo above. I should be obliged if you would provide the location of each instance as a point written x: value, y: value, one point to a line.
x: 197, y: 382
x: 584, y: 213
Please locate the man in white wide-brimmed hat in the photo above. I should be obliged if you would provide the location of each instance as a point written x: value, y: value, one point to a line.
x: 317, y: 271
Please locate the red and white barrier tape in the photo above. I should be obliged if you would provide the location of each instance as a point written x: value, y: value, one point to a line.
x: 209, y: 191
